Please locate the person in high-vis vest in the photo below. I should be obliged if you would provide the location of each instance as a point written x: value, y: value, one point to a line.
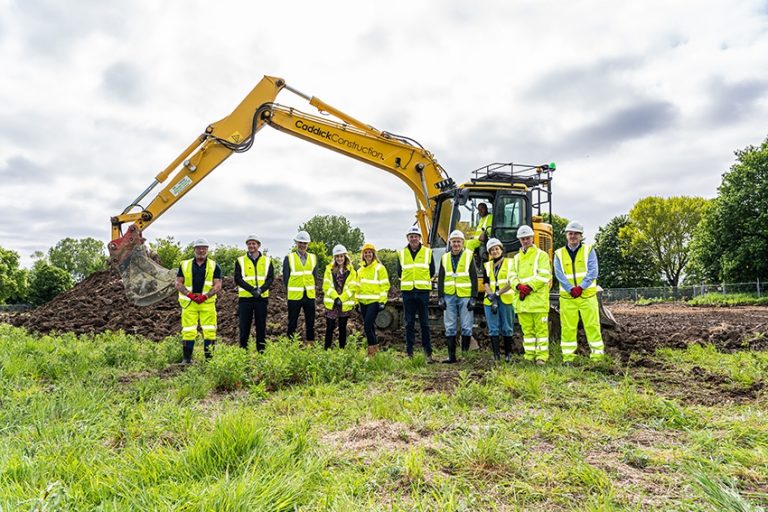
x: 499, y: 299
x: 299, y: 269
x: 415, y: 268
x: 198, y: 281
x: 532, y: 277
x: 483, y: 228
x: 253, y: 275
x: 456, y: 292
x: 372, y: 294
x: 339, y: 288
x: 576, y: 270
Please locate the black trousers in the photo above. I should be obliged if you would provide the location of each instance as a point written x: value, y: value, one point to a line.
x: 253, y: 311
x: 370, y: 312
x: 330, y: 326
x: 294, y: 309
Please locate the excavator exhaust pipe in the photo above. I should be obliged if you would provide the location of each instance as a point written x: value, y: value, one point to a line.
x: 146, y: 282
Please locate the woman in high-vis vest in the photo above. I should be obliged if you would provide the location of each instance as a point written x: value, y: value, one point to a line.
x: 253, y: 276
x: 372, y: 295
x: 299, y: 278
x: 531, y: 277
x: 576, y: 270
x: 456, y: 291
x: 499, y: 298
x: 198, y: 281
x: 339, y: 287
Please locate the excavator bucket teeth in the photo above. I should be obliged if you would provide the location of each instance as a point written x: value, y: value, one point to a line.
x: 145, y: 281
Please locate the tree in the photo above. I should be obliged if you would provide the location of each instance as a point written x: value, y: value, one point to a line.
x: 317, y: 248
x: 168, y: 251
x: 731, y: 243
x: 46, y: 281
x: 80, y: 257
x: 558, y: 228
x: 664, y: 228
x: 622, y: 266
x: 225, y: 256
x: 332, y: 230
x: 13, y: 280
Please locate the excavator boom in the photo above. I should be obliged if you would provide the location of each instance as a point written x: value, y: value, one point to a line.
x: 147, y: 282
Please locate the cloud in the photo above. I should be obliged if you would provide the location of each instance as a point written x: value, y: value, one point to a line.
x: 733, y: 101
x: 20, y: 170
x: 122, y: 81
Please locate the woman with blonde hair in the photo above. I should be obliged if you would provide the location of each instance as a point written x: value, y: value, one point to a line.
x: 339, y: 287
x: 372, y: 294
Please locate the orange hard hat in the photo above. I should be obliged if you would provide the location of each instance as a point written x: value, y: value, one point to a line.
x: 368, y: 246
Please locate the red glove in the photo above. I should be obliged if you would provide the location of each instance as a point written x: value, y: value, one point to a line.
x: 524, y: 290
x: 192, y: 296
x: 576, y: 292
x: 200, y: 299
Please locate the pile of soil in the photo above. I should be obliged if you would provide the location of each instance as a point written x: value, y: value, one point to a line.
x: 99, y: 304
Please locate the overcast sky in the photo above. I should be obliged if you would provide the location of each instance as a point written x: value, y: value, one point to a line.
x: 630, y: 99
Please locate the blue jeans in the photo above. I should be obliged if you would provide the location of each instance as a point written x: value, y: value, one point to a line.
x: 416, y: 302
x: 456, y: 307
x: 503, y: 320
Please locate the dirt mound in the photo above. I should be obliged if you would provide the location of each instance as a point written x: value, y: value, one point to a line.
x: 99, y: 304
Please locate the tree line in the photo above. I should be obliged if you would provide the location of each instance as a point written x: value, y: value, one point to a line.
x: 660, y: 241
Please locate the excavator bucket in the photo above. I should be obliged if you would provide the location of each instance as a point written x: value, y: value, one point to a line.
x: 146, y: 282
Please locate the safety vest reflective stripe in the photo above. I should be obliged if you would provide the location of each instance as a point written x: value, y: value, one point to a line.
x: 415, y: 272
x: 530, y: 267
x: 457, y: 282
x: 575, y: 273
x: 497, y: 282
x: 255, y: 275
x: 373, y: 283
x: 347, y: 295
x: 186, y: 270
x: 302, y: 276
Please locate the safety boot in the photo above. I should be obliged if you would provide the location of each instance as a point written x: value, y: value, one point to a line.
x: 508, y: 348
x: 496, y: 348
x: 451, y: 342
x: 187, y: 349
x: 372, y: 349
x: 465, y: 341
x: 208, y: 348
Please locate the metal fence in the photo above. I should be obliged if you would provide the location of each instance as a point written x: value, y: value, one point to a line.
x: 681, y: 292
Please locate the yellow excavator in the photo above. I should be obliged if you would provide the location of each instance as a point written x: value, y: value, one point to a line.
x: 514, y: 194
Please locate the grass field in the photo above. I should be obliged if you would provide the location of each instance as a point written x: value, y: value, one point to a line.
x: 112, y: 422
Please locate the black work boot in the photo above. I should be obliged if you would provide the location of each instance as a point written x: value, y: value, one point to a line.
x: 465, y: 343
x: 208, y: 348
x: 508, y: 348
x: 451, y: 342
x: 187, y: 349
x: 496, y: 348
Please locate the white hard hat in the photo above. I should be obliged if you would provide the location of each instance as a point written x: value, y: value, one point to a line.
x: 574, y: 226
x: 413, y: 230
x: 456, y: 233
x: 200, y: 242
x: 302, y: 236
x: 524, y: 231
x: 339, y: 249
x: 255, y: 238
x: 494, y: 242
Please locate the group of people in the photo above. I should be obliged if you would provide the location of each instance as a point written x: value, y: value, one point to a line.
x: 517, y: 285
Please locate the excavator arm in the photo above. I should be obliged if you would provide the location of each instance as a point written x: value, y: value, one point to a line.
x: 146, y: 282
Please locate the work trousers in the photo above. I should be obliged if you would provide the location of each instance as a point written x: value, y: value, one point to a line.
x: 456, y: 308
x: 330, y: 326
x: 535, y: 329
x: 193, y: 313
x: 253, y: 311
x: 370, y: 312
x: 294, y: 309
x: 416, y: 302
x: 588, y: 308
x: 502, y: 321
